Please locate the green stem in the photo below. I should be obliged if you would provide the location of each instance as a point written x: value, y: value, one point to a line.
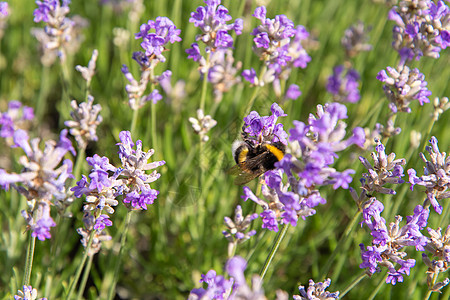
x: 274, y: 249
x: 43, y: 93
x: 339, y: 247
x: 433, y: 282
x: 79, y: 163
x: 85, y: 277
x: 353, y: 284
x: 29, y: 260
x: 74, y: 282
x: 377, y: 289
x: 54, y: 254
x: 204, y: 85
x: 112, y: 289
x: 153, y: 130
x: 133, y: 121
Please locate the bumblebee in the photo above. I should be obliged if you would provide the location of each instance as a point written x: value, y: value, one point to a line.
x: 254, y: 160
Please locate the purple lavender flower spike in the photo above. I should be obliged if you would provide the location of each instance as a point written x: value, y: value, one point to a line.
x: 420, y: 30
x: 436, y: 178
x: 344, y: 88
x: 61, y: 35
x: 293, y: 92
x: 279, y: 44
x: 154, y: 42
x: 16, y: 117
x: 388, y: 242
x: 212, y: 21
x: 4, y: 9
x: 316, y: 290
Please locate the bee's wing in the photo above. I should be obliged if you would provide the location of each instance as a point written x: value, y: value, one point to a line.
x: 235, y: 170
x: 243, y: 178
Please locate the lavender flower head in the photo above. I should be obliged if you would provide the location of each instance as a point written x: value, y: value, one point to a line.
x: 234, y: 288
x: 388, y: 241
x: 386, y: 170
x: 16, y: 117
x: 154, y: 42
x: 439, y: 247
x: 212, y: 21
x: 316, y: 291
x: 344, y: 87
x: 89, y: 71
x: 202, y: 125
x: 107, y: 183
x: 86, y: 118
x: 42, y: 180
x: 27, y: 293
x: 436, y: 177
x: 61, y: 34
x: 403, y: 86
x: 4, y: 9
x: 265, y: 129
x: 4, y: 14
x: 279, y: 44
x: 355, y: 40
x: 423, y: 28
x: 313, y: 149
x: 217, y: 61
x: 135, y: 182
x: 222, y: 72
x: 235, y: 233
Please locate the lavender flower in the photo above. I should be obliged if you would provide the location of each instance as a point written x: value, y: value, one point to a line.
x: 265, y: 129
x: 154, y: 45
x: 202, y: 125
x: 222, y: 73
x: 217, y: 61
x: 101, y: 222
x: 313, y: 149
x: 61, y: 34
x: 218, y: 287
x: 386, y: 169
x: 39, y: 220
x: 440, y: 106
x: 279, y: 44
x: 235, y: 233
x: 4, y: 9
x: 175, y: 93
x: 154, y: 42
x: 388, y: 241
x: 89, y: 71
x: 212, y: 21
x: 4, y: 13
x: 42, y: 182
x: 316, y: 291
x: 234, y: 288
x: 27, y: 293
x: 16, y: 117
x: 135, y: 182
x: 423, y: 29
x: 108, y: 183
x: 85, y: 121
x: 293, y: 92
x: 436, y: 178
x: 439, y: 247
x: 403, y: 86
x: 344, y: 88
x: 94, y: 226
x: 355, y: 40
